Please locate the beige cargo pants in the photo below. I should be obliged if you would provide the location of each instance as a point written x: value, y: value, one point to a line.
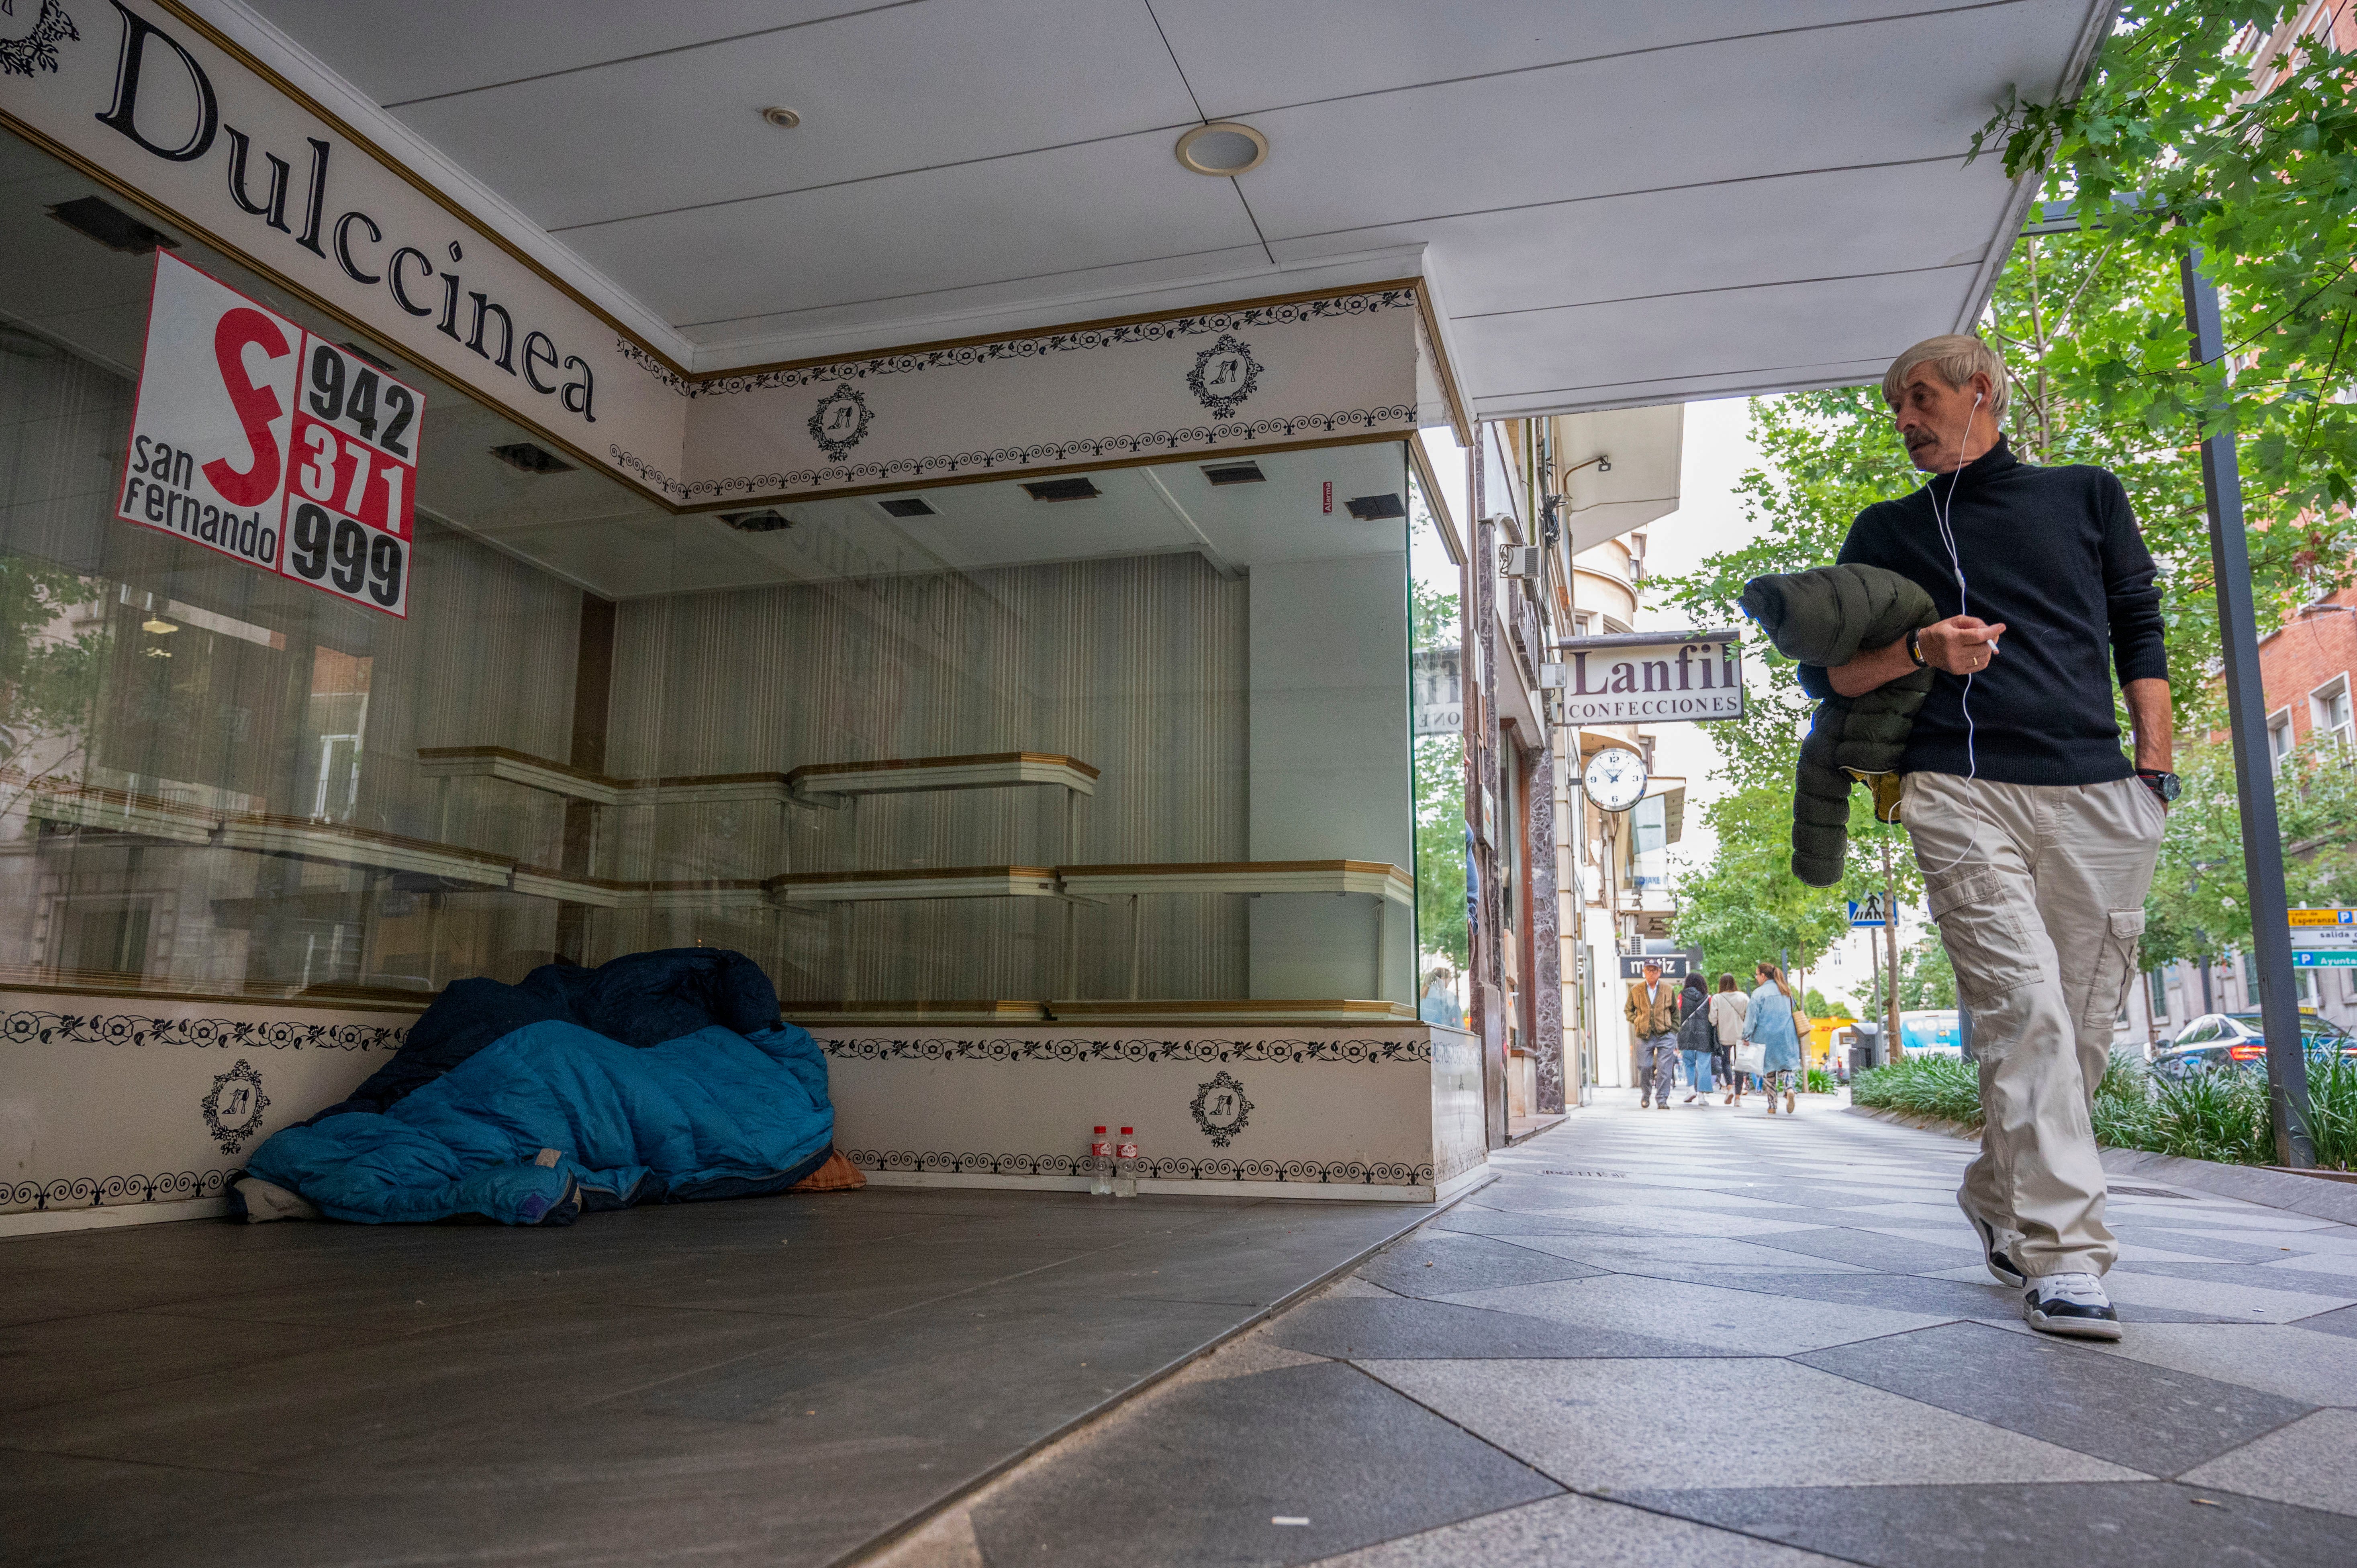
x: 2039, y: 894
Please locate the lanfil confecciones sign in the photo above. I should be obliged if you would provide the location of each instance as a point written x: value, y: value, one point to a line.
x: 259, y: 440
x: 1643, y: 678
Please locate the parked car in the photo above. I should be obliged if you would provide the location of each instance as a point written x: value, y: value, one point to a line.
x: 2236, y: 1042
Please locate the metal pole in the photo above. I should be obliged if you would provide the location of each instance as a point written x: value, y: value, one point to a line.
x: 1890, y: 948
x: 2222, y: 483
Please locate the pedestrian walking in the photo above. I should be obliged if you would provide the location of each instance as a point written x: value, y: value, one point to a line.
x: 1727, y: 1006
x: 1694, y: 1038
x: 1653, y: 1012
x: 1767, y: 1023
x: 2036, y: 835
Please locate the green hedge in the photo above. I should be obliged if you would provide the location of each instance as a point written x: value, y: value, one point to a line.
x: 2208, y: 1116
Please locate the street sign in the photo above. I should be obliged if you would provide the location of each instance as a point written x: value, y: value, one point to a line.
x: 2318, y: 958
x: 2313, y: 929
x: 1866, y: 911
x: 1675, y: 965
x: 256, y: 439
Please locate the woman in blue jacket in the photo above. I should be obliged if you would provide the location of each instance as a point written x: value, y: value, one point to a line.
x: 1767, y: 1023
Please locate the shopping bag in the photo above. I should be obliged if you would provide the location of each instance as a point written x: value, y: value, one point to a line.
x: 1751, y: 1056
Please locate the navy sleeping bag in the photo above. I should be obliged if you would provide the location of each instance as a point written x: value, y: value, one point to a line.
x: 658, y: 1077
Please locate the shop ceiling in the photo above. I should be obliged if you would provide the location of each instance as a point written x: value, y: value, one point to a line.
x: 1617, y: 203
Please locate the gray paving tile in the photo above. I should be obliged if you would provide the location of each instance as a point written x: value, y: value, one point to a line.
x: 1870, y: 1250
x: 2148, y: 1418
x: 2342, y: 1321
x: 2311, y: 1463
x: 1681, y: 1257
x: 2239, y: 1298
x: 1710, y: 1318
x: 2275, y: 1276
x: 1363, y: 1328
x: 2223, y: 1248
x: 1765, y: 1422
x: 1199, y: 1477
x: 2149, y: 1524
x: 2289, y: 1359
x: 1435, y: 1263
x: 1589, y: 1531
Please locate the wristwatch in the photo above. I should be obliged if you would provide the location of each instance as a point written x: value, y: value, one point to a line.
x: 1915, y: 648
x: 2167, y: 786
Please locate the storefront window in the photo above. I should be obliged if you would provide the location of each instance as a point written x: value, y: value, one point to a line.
x: 1137, y: 734
x: 1442, y: 936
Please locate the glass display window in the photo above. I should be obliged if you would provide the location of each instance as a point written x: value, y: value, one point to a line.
x: 1063, y: 745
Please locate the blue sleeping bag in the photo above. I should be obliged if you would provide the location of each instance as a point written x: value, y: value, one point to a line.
x: 659, y: 1076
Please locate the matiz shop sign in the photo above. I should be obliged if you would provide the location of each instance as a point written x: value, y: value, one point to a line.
x: 265, y: 442
x: 1644, y: 678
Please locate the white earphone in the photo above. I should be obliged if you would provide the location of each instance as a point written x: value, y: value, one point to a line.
x: 1940, y: 515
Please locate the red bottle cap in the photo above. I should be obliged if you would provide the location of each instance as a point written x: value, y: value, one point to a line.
x: 1099, y: 1129
x: 1126, y: 1131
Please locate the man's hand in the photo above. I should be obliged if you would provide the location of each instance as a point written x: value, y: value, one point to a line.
x: 1961, y: 645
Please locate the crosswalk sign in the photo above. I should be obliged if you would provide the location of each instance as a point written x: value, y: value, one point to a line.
x: 1866, y: 911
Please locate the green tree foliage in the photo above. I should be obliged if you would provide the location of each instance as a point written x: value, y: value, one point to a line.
x: 48, y: 677
x: 2091, y: 326
x: 2199, y: 908
x: 1440, y: 801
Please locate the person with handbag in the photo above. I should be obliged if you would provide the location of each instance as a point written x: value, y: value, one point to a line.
x: 1768, y: 1027
x: 1727, y: 1007
x: 1694, y: 1038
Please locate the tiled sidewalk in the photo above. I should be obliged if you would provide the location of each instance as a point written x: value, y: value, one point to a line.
x: 1711, y: 1336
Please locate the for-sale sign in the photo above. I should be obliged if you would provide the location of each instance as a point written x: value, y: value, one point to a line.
x: 256, y: 438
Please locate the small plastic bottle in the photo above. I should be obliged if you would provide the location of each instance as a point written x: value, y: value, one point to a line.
x: 1124, y: 1165
x: 1100, y: 1165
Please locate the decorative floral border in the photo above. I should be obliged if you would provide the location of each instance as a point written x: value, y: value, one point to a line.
x: 37, y: 50
x: 1031, y: 347
x: 1331, y: 1173
x: 1145, y: 443
x: 29, y: 1026
x: 110, y: 1191
x: 1065, y: 1049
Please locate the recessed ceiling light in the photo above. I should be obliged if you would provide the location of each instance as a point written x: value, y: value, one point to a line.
x: 1222, y: 147
x: 784, y: 119
x: 1234, y: 473
x: 1370, y: 509
x: 907, y: 506
x: 111, y: 226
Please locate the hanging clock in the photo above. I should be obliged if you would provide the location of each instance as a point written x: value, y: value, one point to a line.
x: 1615, y: 780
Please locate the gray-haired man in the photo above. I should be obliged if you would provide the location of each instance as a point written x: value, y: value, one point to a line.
x: 2036, y: 837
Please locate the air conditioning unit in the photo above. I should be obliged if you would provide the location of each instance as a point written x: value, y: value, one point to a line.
x: 1519, y: 561
x: 1555, y: 677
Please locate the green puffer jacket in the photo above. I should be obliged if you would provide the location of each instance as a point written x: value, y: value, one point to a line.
x: 1824, y: 618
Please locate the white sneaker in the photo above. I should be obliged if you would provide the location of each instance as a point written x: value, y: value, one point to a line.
x: 2074, y: 1304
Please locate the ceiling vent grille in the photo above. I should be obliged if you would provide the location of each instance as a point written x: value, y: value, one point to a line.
x: 531, y: 459
x: 907, y: 506
x: 766, y: 521
x: 1372, y: 509
x: 1234, y: 473
x: 1062, y: 490
x: 111, y: 226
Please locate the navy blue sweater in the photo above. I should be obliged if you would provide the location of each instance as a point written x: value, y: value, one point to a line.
x: 2054, y: 554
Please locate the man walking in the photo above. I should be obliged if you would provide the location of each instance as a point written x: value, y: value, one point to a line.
x: 2036, y: 836
x: 1654, y: 1024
